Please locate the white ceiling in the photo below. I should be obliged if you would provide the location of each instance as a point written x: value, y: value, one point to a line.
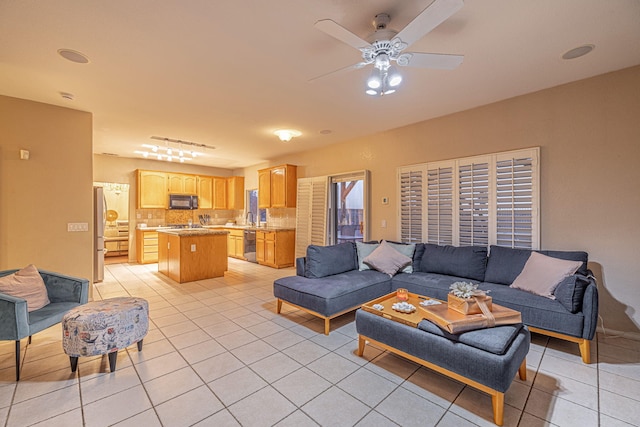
x: 228, y: 73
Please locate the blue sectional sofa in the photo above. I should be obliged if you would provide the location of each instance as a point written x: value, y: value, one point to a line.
x: 333, y: 280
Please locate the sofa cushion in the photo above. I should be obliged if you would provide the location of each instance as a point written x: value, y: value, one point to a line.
x: 325, y: 261
x: 504, y: 264
x: 363, y: 250
x: 541, y: 274
x: 466, y: 261
x: 27, y: 284
x: 570, y: 292
x: 407, y: 249
x: 417, y: 256
x: 537, y: 311
x: 386, y: 259
x: 494, y: 340
x: 332, y: 294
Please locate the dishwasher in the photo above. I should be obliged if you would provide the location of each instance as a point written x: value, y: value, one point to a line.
x: 250, y: 245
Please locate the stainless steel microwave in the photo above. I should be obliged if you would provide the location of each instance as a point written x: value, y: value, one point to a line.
x: 183, y: 201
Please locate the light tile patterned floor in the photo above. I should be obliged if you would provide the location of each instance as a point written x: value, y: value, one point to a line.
x: 218, y: 355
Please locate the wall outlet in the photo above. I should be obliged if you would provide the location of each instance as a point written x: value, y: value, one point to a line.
x: 77, y: 226
x: 383, y: 223
x: 193, y: 247
x: 139, y: 215
x: 385, y: 200
x: 150, y: 216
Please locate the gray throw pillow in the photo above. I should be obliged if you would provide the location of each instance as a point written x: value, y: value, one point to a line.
x: 364, y: 250
x: 407, y: 249
x: 387, y: 260
x: 570, y: 292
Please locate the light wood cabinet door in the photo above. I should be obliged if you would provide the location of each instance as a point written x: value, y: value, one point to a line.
x: 277, y: 187
x: 190, y: 184
x: 182, y: 184
x: 260, y: 252
x: 146, y: 246
x: 264, y: 188
x: 270, y: 249
x: 219, y: 193
x: 205, y: 192
x: 152, y: 190
x: 235, y: 192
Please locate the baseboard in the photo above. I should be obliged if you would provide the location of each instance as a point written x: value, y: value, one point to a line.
x: 612, y: 333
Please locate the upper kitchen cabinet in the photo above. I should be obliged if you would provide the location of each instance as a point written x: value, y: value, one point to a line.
x: 235, y: 192
x: 205, y: 192
x: 152, y: 190
x: 219, y: 192
x: 277, y: 187
x: 182, y: 184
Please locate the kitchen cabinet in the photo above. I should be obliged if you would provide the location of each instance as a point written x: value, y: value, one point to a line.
x: 219, y: 192
x: 182, y: 183
x: 235, y: 243
x: 235, y: 192
x: 277, y: 187
x: 146, y: 246
x: 205, y: 192
x: 152, y: 190
x: 275, y: 248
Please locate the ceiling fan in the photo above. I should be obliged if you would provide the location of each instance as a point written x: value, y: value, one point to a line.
x: 387, y: 46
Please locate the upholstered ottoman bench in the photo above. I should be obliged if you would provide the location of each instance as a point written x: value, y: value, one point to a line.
x: 104, y: 327
x: 486, y: 359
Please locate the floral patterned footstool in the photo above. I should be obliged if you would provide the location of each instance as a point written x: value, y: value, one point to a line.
x: 104, y: 327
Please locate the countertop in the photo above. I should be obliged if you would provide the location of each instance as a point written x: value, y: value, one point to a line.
x: 220, y: 227
x: 191, y: 231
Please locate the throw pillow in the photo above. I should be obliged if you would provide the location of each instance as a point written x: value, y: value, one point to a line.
x: 26, y: 284
x: 541, y: 274
x: 407, y: 249
x: 364, y: 250
x: 387, y: 260
x: 325, y: 261
x: 570, y: 292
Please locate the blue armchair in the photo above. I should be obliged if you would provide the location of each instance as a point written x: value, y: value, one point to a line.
x: 16, y: 323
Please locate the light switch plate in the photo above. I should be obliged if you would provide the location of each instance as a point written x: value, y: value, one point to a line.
x: 193, y: 247
x: 77, y: 226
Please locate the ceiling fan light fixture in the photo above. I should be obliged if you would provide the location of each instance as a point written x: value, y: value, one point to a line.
x: 371, y: 92
x: 394, y: 78
x: 374, y: 81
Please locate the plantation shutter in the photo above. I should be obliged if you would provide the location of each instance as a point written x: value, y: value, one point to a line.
x: 440, y: 203
x: 411, y: 204
x: 473, y: 203
x: 517, y: 197
x: 311, y: 213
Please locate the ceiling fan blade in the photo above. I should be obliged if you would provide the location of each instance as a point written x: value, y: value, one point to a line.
x: 434, y: 60
x: 338, y: 71
x: 428, y: 19
x: 337, y: 31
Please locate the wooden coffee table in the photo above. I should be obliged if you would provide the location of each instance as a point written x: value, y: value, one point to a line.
x: 482, y: 368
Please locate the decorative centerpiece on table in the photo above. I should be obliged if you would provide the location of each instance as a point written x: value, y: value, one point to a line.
x: 466, y: 298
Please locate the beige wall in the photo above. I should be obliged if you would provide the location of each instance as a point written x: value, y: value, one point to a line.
x: 39, y: 196
x: 589, y: 134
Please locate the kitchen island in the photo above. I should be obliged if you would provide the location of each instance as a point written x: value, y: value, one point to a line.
x: 191, y: 254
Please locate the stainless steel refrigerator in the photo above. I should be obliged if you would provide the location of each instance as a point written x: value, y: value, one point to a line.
x: 100, y: 214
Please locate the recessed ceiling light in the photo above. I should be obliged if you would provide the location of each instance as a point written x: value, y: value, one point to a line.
x: 325, y: 131
x: 73, y: 56
x: 578, y: 51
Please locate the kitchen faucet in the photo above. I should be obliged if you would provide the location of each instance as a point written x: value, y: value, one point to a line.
x: 250, y: 221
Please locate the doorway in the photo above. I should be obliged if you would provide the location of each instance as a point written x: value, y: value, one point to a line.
x: 349, y: 201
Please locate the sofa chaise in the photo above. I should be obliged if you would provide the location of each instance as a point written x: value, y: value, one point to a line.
x: 333, y: 280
